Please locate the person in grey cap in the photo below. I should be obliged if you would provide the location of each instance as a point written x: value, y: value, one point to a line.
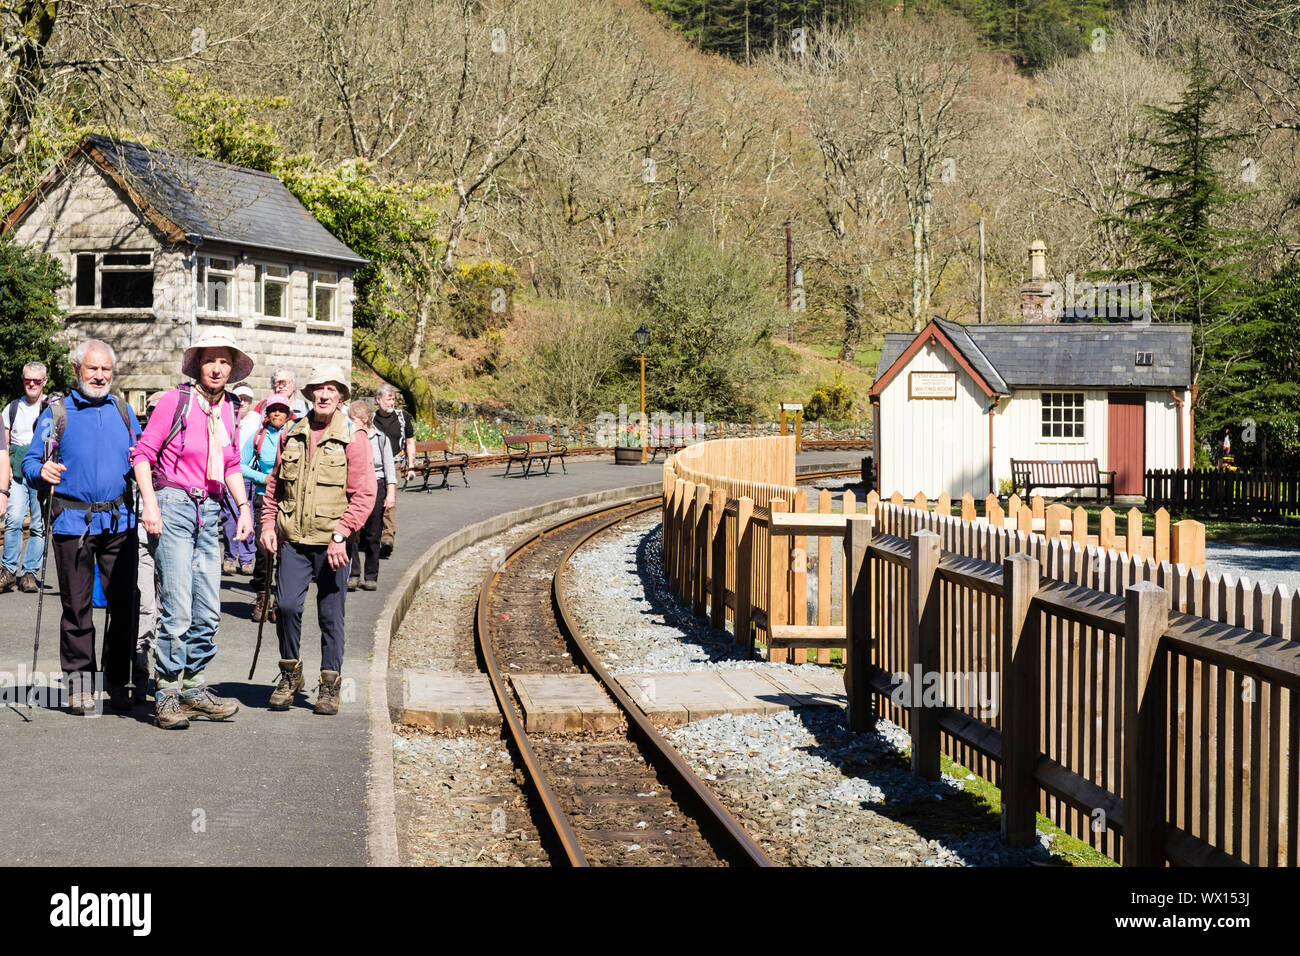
x: 184, y: 461
x: 318, y: 496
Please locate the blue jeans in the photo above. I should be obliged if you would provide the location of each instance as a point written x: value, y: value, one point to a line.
x: 188, y: 557
x: 22, y: 501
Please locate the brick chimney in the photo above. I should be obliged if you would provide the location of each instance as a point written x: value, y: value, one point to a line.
x: 1035, y: 294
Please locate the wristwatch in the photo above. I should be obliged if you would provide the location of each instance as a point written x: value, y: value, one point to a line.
x: 337, y: 538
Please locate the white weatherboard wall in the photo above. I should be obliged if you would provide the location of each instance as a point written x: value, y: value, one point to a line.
x: 1017, y: 431
x: 1163, y: 431
x: 933, y: 445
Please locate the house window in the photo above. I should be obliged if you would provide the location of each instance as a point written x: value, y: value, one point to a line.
x: 271, y: 290
x: 113, y: 280
x: 323, y: 300
x: 215, y: 285
x: 1062, y: 414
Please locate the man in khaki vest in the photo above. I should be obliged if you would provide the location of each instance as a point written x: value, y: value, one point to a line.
x: 318, y: 496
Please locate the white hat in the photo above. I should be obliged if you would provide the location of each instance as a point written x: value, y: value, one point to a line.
x: 241, y: 366
x: 327, y: 373
x: 243, y: 391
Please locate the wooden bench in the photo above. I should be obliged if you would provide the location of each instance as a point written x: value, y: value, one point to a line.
x: 656, y: 450
x: 527, y: 449
x: 427, y: 461
x: 1027, y: 474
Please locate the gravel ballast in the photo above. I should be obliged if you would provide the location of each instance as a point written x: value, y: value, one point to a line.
x: 811, y: 791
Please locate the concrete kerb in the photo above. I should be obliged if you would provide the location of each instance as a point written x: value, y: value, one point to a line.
x: 381, y: 803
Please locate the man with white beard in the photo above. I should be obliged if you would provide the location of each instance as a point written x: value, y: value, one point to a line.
x: 91, y: 433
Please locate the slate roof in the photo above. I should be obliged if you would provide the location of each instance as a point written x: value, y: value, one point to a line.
x: 1078, y: 355
x: 211, y: 202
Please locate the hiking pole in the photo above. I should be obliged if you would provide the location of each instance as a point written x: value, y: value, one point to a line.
x: 266, y: 609
x: 51, y: 448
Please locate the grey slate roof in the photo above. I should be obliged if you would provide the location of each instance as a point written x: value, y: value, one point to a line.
x: 1077, y: 355
x: 216, y: 202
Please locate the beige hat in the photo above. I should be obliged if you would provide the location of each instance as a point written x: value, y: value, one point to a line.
x: 327, y: 373
x: 241, y: 366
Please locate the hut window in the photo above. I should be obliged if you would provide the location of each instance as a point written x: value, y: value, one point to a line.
x: 1062, y: 414
x: 216, y: 284
x: 114, y: 280
x: 324, y: 296
x: 271, y: 288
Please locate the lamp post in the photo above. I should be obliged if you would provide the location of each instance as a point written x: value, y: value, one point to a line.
x: 642, y: 340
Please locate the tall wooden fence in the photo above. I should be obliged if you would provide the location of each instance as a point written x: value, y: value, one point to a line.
x: 1149, y: 709
x: 1206, y: 491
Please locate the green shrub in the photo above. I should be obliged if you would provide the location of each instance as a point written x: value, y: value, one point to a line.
x: 832, y: 401
x: 481, y: 297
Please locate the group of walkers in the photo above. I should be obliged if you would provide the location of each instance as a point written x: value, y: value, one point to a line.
x: 302, y: 491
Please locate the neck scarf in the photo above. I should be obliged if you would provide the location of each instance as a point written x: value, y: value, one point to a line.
x: 217, y: 438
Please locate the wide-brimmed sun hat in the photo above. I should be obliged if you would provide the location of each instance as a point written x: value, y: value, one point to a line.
x: 241, y: 366
x: 327, y: 373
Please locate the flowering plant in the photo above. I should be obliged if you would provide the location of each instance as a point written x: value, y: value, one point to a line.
x: 629, y: 436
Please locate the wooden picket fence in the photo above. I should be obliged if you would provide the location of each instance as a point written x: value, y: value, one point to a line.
x: 1217, y: 491
x: 1182, y: 542
x: 1081, y: 643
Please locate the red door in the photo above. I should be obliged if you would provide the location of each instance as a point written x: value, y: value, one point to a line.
x: 1127, y: 441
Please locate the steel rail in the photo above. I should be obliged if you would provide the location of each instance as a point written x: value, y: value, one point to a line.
x: 562, y: 829
x: 738, y: 845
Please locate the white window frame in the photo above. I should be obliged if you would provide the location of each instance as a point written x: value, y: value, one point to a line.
x: 1067, y: 417
x: 260, y: 279
x: 314, y: 282
x: 101, y: 268
x: 203, y: 269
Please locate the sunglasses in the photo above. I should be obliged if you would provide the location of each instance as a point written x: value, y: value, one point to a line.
x: 33, y: 381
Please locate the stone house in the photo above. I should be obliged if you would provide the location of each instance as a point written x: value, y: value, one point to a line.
x: 161, y: 246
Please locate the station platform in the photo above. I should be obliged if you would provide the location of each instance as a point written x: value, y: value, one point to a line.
x: 263, y: 788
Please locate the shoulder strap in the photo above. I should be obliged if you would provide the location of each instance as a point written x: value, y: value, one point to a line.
x: 58, y: 422
x: 178, y: 418
x: 121, y: 410
x: 11, y: 412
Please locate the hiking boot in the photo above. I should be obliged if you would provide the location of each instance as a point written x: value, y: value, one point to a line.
x: 327, y: 697
x: 167, y: 712
x: 259, y: 607
x: 385, y: 548
x: 208, y: 705
x: 81, y: 703
x: 369, y: 585
x: 228, y: 566
x: 7, y: 579
x: 119, y: 698
x: 352, y: 583
x: 291, y: 681
x: 246, y: 569
x: 27, y: 583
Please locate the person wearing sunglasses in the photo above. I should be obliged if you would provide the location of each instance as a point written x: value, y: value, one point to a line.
x: 19, y: 418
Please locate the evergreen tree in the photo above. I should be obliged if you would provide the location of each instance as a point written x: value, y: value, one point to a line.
x: 1258, y: 363
x: 1197, y: 267
x: 29, y: 316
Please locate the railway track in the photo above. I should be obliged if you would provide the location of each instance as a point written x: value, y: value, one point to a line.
x: 609, y: 796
